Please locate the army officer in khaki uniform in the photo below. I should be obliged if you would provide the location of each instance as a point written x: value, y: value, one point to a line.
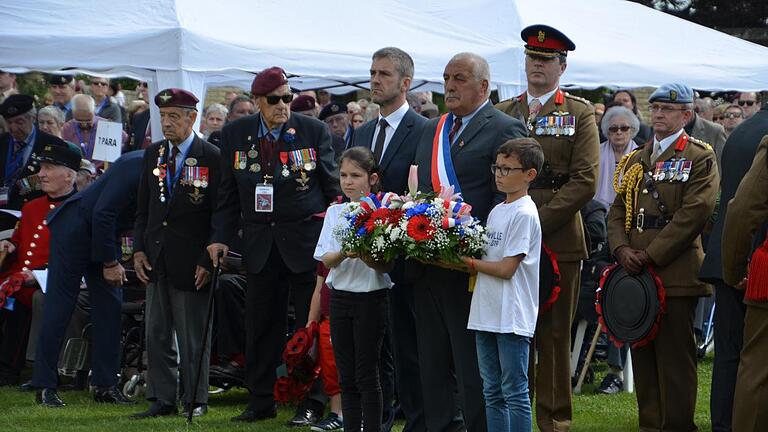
x: 747, y: 212
x: 565, y: 127
x: 667, y: 193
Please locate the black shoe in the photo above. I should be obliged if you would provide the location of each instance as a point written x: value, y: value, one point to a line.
x: 304, y: 417
x: 157, y: 409
x: 26, y: 387
x: 111, y: 395
x: 250, y: 415
x: 611, y: 384
x: 49, y: 398
x: 199, y: 411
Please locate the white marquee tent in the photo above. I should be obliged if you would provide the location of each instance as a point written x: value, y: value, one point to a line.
x: 199, y: 43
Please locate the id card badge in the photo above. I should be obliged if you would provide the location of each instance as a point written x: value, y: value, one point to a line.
x: 4, y: 192
x: 265, y: 194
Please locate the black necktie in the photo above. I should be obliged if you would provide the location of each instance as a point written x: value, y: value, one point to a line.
x: 172, y: 162
x: 454, y: 129
x: 378, y: 149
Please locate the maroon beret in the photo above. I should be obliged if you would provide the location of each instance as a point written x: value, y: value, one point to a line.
x: 303, y: 103
x: 175, y: 97
x: 268, y: 80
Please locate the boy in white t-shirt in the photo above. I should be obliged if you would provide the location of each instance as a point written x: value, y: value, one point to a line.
x: 506, y: 297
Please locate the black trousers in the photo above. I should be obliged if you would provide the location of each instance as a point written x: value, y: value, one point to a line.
x: 450, y: 377
x: 230, y: 314
x: 405, y: 358
x: 358, y: 325
x: 266, y: 310
x: 729, y: 331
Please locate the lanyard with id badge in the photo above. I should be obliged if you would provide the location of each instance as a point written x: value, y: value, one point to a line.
x: 265, y: 192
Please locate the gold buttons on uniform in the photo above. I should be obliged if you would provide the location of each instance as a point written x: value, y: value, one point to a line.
x: 32, y: 244
x: 27, y: 262
x: 39, y: 227
x: 29, y: 253
x: 51, y: 206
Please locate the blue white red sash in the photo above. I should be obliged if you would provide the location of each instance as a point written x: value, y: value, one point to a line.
x: 443, y: 173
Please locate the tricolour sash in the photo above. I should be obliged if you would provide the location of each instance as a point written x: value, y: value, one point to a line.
x: 443, y: 174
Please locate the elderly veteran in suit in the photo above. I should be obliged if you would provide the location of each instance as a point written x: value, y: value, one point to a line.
x: 565, y: 127
x: 278, y: 175
x: 667, y: 193
x: 176, y: 199
x: 738, y: 154
x: 393, y: 138
x: 473, y: 129
x: 747, y: 215
x: 85, y: 243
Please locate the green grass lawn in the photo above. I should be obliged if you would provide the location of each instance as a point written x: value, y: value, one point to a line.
x: 593, y: 413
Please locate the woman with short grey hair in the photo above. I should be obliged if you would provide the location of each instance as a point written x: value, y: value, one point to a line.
x: 621, y: 126
x: 50, y: 120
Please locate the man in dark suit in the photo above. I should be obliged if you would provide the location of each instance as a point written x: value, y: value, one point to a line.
x: 176, y: 198
x: 738, y: 152
x: 278, y: 173
x: 393, y: 138
x: 85, y: 242
x: 20, y: 144
x: 709, y: 132
x: 447, y: 353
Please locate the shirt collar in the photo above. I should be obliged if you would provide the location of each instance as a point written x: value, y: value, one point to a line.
x: 467, y: 118
x: 184, y: 146
x: 394, y: 118
x: 666, y: 142
x: 263, y: 129
x: 543, y: 98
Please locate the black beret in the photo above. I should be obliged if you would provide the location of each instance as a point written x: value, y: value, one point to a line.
x: 331, y: 109
x: 175, y: 97
x: 15, y: 105
x: 60, y: 79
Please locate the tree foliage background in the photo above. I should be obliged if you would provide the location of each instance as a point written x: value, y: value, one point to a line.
x: 716, y: 13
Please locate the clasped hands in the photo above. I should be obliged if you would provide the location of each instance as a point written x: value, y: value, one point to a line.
x: 633, y: 260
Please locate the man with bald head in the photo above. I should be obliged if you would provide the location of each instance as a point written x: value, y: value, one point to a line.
x: 81, y: 129
x: 472, y: 130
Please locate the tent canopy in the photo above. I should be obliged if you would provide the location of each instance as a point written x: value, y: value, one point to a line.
x: 195, y: 43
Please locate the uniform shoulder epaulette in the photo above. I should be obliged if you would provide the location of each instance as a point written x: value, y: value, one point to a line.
x: 701, y: 143
x: 577, y: 98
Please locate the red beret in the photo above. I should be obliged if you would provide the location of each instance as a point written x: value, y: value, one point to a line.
x: 175, y: 97
x: 303, y: 103
x: 268, y: 80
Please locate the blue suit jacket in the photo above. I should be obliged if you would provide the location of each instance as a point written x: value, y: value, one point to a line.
x: 401, y: 150
x: 109, y: 205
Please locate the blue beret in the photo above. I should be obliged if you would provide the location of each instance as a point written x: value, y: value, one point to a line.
x: 672, y: 93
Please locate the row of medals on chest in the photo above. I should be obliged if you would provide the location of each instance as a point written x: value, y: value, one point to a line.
x: 304, y: 166
x: 558, y: 123
x: 161, y: 171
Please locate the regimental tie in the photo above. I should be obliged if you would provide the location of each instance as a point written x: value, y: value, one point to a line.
x: 172, y: 162
x: 378, y: 148
x: 533, y: 108
x: 454, y: 129
x: 656, y: 151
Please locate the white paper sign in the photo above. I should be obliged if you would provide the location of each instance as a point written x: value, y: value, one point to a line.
x: 42, y: 279
x: 109, y: 141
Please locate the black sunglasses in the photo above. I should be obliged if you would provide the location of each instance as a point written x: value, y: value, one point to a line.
x: 747, y: 103
x: 274, y: 99
x: 614, y: 129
